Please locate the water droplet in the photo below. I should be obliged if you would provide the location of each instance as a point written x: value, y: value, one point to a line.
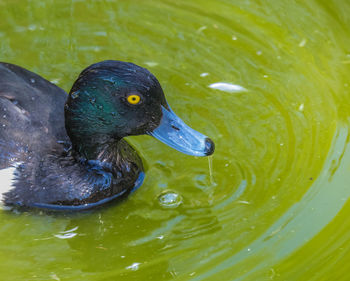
x: 32, y: 80
x: 134, y: 266
x: 302, y: 43
x: 74, y: 95
x: 55, y: 81
x: 211, y: 177
x: 170, y: 199
x: 32, y: 27
x: 199, y: 30
x: 93, y: 101
x: 204, y: 74
x: 55, y: 277
x: 243, y: 202
x: 100, y: 107
x: 151, y: 63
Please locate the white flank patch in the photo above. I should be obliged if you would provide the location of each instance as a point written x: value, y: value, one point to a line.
x: 227, y: 87
x: 7, y: 177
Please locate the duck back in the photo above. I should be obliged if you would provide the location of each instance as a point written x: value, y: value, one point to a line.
x: 37, y: 165
x: 31, y: 115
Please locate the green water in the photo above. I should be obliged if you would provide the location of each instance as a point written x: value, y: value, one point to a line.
x: 274, y: 204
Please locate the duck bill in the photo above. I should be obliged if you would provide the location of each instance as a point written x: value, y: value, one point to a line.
x: 176, y: 134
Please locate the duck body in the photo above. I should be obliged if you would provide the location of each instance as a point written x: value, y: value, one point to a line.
x: 33, y: 140
x: 66, y: 151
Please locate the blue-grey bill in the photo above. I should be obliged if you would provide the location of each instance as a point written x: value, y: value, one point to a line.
x: 175, y: 133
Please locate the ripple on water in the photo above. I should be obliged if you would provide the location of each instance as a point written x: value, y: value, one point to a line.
x: 267, y: 80
x: 67, y: 234
x: 169, y: 199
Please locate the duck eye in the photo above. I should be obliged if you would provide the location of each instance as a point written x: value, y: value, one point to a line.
x: 133, y: 99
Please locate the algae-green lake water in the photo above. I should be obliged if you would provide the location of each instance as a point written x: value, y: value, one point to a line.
x: 268, y: 81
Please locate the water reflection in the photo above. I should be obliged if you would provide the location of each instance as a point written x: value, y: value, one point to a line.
x: 227, y: 87
x: 102, y: 245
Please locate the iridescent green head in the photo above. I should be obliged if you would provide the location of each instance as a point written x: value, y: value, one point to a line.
x: 113, y: 99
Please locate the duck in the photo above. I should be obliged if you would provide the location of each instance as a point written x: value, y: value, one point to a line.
x: 66, y: 151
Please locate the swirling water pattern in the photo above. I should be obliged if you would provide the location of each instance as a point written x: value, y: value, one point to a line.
x: 267, y: 80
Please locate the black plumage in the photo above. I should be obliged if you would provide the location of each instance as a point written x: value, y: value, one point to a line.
x: 68, y: 150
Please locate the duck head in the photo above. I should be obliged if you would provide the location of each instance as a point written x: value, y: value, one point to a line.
x: 113, y: 99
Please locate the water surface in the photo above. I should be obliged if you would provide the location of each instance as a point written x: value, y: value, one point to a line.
x: 268, y: 81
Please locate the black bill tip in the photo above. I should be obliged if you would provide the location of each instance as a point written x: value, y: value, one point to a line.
x: 209, y: 147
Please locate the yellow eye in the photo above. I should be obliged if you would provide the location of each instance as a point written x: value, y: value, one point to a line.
x: 133, y: 99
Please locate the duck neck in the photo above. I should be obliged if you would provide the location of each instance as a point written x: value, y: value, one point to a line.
x: 102, y: 148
